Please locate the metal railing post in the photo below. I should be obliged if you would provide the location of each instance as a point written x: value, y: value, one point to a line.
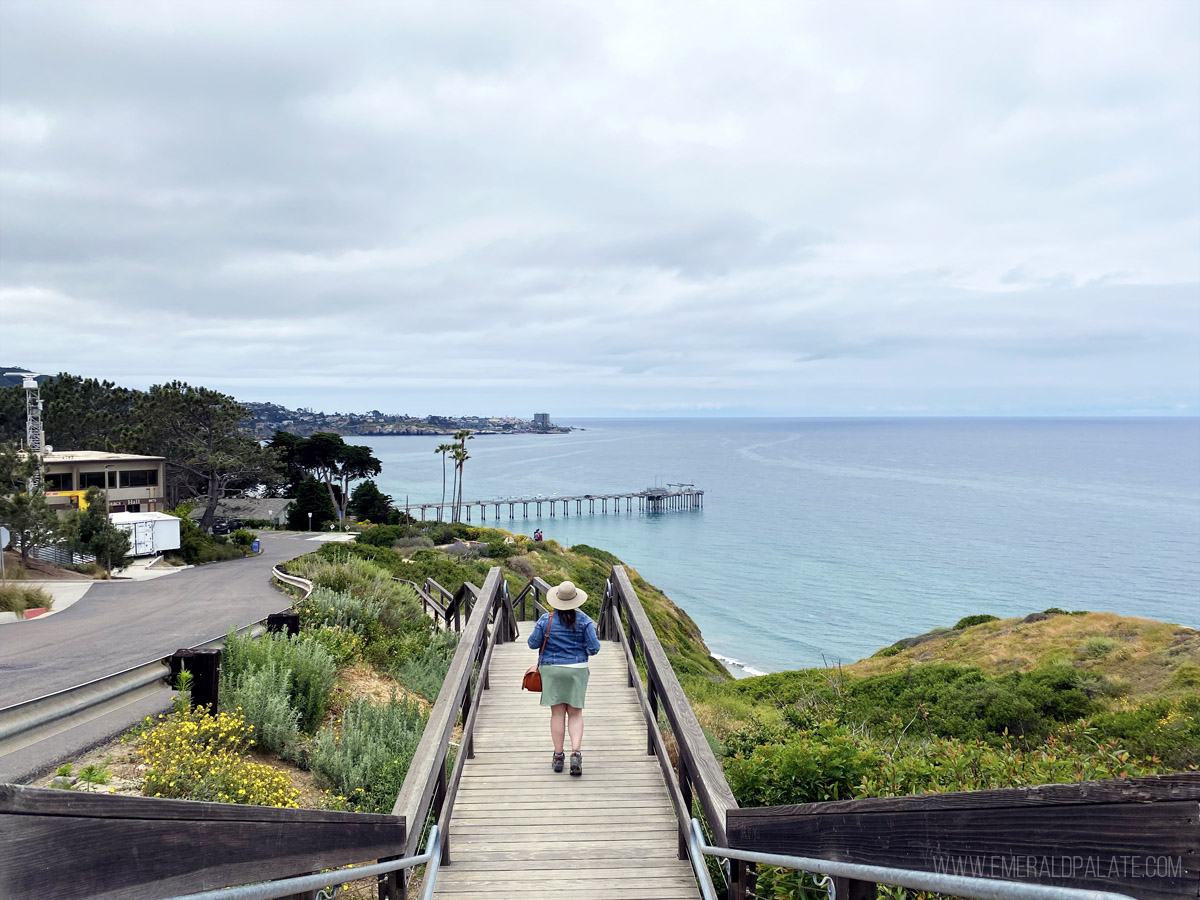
x: 685, y: 788
x: 651, y: 727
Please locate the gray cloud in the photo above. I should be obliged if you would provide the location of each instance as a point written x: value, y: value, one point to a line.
x: 767, y: 208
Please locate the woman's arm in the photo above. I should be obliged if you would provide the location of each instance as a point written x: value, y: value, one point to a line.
x: 535, y: 637
x: 590, y: 638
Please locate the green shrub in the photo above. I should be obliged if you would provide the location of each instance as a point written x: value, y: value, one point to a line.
x: 262, y: 696
x: 195, y: 546
x: 960, y: 701
x: 425, y: 670
x: 1096, y: 648
x: 383, y: 535
x: 366, y: 756
x: 1166, y: 729
x: 306, y: 668
x: 242, y: 538
x: 887, y: 651
x: 497, y: 549
x: 978, y: 619
x: 18, y: 598
x: 827, y: 763
x: 325, y: 606
x: 601, y: 555
x: 343, y: 644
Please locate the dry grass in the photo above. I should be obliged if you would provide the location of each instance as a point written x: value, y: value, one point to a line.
x: 1140, y: 654
x: 360, y: 680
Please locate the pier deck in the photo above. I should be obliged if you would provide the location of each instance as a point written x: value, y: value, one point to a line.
x: 649, y: 500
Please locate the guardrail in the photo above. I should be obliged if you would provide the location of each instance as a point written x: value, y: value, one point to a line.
x: 20, y: 722
x: 294, y: 580
x: 698, y: 775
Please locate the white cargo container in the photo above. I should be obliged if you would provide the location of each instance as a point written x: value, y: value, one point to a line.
x: 149, y: 533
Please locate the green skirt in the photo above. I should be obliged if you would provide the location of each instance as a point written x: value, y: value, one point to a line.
x: 564, y: 684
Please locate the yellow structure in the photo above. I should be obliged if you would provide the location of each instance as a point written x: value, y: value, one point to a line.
x: 75, y: 499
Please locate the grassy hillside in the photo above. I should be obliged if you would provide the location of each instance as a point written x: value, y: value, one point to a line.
x: 1141, y: 658
x: 399, y: 548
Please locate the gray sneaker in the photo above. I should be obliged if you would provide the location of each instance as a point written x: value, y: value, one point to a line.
x: 576, y: 763
x: 557, y: 761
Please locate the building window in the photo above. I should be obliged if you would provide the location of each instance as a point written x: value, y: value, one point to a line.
x: 59, y: 481
x: 139, y: 478
x: 91, y: 480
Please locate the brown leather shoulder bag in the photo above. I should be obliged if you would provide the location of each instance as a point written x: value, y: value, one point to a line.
x: 532, y: 681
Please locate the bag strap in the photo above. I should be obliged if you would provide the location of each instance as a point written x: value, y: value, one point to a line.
x: 546, y: 636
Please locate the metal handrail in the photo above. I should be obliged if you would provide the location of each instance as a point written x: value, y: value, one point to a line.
x: 301, y: 883
x: 964, y: 886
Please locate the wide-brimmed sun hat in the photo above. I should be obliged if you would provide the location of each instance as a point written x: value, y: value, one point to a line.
x: 566, y: 596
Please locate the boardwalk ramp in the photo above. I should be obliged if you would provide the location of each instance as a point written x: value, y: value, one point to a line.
x: 519, y: 830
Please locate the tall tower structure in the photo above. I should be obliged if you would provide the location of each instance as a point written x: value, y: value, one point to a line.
x: 34, y: 435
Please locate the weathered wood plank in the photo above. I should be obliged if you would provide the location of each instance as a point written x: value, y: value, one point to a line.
x: 521, y: 830
x: 139, y: 847
x: 1137, y: 839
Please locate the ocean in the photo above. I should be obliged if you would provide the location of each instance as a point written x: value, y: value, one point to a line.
x: 822, y: 540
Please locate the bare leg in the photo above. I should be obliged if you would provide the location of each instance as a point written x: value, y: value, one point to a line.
x: 575, y: 724
x: 558, y: 725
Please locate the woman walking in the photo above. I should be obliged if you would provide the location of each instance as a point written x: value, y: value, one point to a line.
x: 567, y: 637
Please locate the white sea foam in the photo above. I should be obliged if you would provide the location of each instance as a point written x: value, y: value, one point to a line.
x: 743, y: 670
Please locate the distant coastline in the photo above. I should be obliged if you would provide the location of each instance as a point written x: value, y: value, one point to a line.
x: 267, y: 418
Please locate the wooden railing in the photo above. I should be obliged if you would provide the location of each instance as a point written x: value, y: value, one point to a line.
x: 698, y: 774
x: 429, y: 789
x: 534, y: 593
x: 1136, y: 836
x: 69, y: 844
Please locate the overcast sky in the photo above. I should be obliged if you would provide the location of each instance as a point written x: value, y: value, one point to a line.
x: 638, y: 208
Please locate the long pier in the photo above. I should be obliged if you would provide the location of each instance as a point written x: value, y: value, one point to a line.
x: 649, y: 500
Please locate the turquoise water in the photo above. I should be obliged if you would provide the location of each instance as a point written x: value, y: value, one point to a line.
x: 824, y: 540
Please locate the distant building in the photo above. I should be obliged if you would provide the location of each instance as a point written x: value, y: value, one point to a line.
x: 130, y: 483
x: 272, y: 509
x: 541, y: 420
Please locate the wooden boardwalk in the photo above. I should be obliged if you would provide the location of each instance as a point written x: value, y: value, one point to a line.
x: 521, y: 832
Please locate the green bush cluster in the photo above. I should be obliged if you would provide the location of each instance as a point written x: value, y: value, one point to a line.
x: 366, y: 755
x: 196, y: 547
x: 385, y: 535
x: 360, y: 595
x: 978, y: 619
x: 303, y: 670
x: 242, y: 538
x: 948, y: 700
x: 17, y: 598
x: 341, y: 642
x: 423, y: 670
x: 263, y: 697
x: 1168, y: 730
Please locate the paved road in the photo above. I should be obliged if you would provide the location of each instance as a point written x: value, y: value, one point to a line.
x: 119, y: 624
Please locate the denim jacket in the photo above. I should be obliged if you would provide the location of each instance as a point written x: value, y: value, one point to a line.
x: 564, y: 645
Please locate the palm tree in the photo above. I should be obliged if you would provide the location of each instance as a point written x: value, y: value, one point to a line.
x: 444, y: 449
x: 460, y: 460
